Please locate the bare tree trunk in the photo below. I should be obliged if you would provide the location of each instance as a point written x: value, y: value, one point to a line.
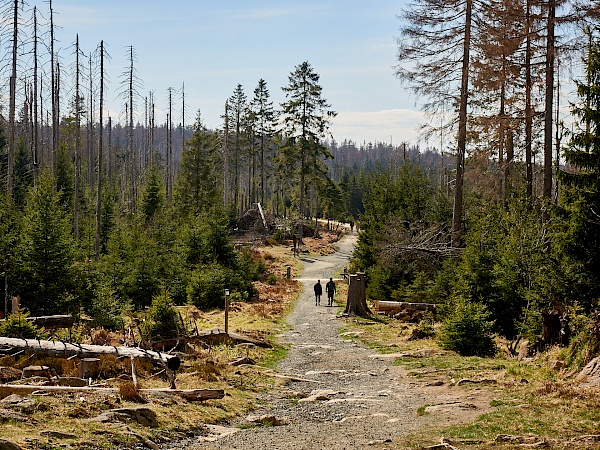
x: 170, y: 149
x: 100, y: 145
x: 528, y: 109
x: 12, y: 105
x: 132, y: 152
x: 54, y: 96
x: 35, y: 130
x: 226, y: 158
x: 549, y: 100
x: 109, y: 151
x: 462, y: 130
x: 77, y: 145
x: 90, y: 126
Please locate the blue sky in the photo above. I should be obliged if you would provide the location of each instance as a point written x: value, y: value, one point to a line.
x: 211, y: 46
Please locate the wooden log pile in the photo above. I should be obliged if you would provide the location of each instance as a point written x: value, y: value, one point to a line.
x: 405, y: 311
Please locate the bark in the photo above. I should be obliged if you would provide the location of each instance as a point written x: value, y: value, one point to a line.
x: 66, y: 350
x: 100, y: 145
x: 462, y: 130
x: 356, y: 304
x: 54, y: 96
x: 528, y: 108
x: 399, y: 306
x: 12, y: 101
x: 226, y: 158
x: 77, y: 146
x: 549, y: 100
x: 188, y: 394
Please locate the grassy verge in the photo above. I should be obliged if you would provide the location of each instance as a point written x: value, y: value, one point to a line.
x: 66, y: 421
x: 531, y: 403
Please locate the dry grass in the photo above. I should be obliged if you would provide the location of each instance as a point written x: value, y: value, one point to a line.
x: 529, y: 398
x: 203, y: 367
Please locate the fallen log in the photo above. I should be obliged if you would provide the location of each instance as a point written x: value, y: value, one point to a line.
x: 67, y: 350
x: 188, y: 394
x: 52, y: 322
x: 212, y: 337
x: 389, y: 306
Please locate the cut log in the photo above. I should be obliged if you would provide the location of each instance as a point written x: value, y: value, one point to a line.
x: 52, y: 322
x: 394, y: 307
x: 89, y: 368
x: 211, y: 337
x: 356, y: 305
x: 66, y: 350
x: 188, y: 394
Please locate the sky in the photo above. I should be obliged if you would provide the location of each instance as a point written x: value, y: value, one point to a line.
x: 210, y: 46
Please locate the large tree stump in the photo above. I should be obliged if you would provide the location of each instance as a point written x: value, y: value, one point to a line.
x: 356, y: 304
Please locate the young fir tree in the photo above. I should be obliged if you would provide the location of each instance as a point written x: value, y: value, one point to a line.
x: 199, y: 181
x: 45, y: 252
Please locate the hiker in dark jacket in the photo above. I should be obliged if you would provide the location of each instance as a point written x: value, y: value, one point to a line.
x: 330, y: 288
x: 318, y: 292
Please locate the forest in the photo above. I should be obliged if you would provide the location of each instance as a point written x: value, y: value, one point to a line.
x: 500, y: 225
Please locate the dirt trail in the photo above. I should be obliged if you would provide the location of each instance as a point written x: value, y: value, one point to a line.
x: 364, y: 401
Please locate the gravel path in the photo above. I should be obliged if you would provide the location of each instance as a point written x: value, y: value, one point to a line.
x: 363, y: 401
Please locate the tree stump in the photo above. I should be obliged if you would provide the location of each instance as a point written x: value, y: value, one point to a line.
x: 36, y: 371
x: 89, y: 368
x: 356, y: 304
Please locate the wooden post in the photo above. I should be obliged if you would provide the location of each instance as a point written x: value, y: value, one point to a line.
x: 16, y: 303
x: 288, y: 272
x: 226, y: 310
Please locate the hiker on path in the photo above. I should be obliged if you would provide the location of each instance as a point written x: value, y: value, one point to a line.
x: 318, y: 292
x: 330, y: 288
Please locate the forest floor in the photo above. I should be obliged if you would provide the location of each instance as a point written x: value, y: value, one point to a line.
x: 330, y: 382
x: 361, y: 383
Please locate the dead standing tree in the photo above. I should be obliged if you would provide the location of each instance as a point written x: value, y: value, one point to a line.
x: 356, y: 305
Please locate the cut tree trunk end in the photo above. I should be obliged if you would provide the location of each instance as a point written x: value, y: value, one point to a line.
x: 356, y: 305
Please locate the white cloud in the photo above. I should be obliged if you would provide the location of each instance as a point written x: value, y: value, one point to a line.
x: 396, y: 125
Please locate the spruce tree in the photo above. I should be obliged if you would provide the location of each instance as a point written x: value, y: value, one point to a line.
x: 582, y: 239
x: 45, y: 252
x: 306, y: 120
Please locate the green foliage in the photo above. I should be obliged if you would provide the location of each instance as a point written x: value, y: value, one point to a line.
x: 253, y: 267
x: 107, y: 308
x: 206, y: 288
x: 199, y: 179
x: 206, y: 240
x: 153, y: 195
x: 467, y: 331
x: 163, y: 319
x: 17, y: 326
x: 271, y: 279
x: 44, y: 273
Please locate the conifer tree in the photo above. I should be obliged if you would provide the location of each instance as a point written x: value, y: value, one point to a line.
x: 306, y: 120
x: 199, y: 177
x: 45, y: 252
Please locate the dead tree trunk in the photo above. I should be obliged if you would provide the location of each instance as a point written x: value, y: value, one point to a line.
x: 356, y: 305
x: 65, y: 349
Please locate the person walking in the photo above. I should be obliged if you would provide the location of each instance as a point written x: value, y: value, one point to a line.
x: 318, y: 292
x: 330, y: 289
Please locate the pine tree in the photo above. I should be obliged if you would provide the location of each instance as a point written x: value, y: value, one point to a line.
x: 264, y: 126
x: 306, y: 120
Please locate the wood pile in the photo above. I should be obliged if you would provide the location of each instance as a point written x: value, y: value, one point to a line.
x: 404, y: 311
